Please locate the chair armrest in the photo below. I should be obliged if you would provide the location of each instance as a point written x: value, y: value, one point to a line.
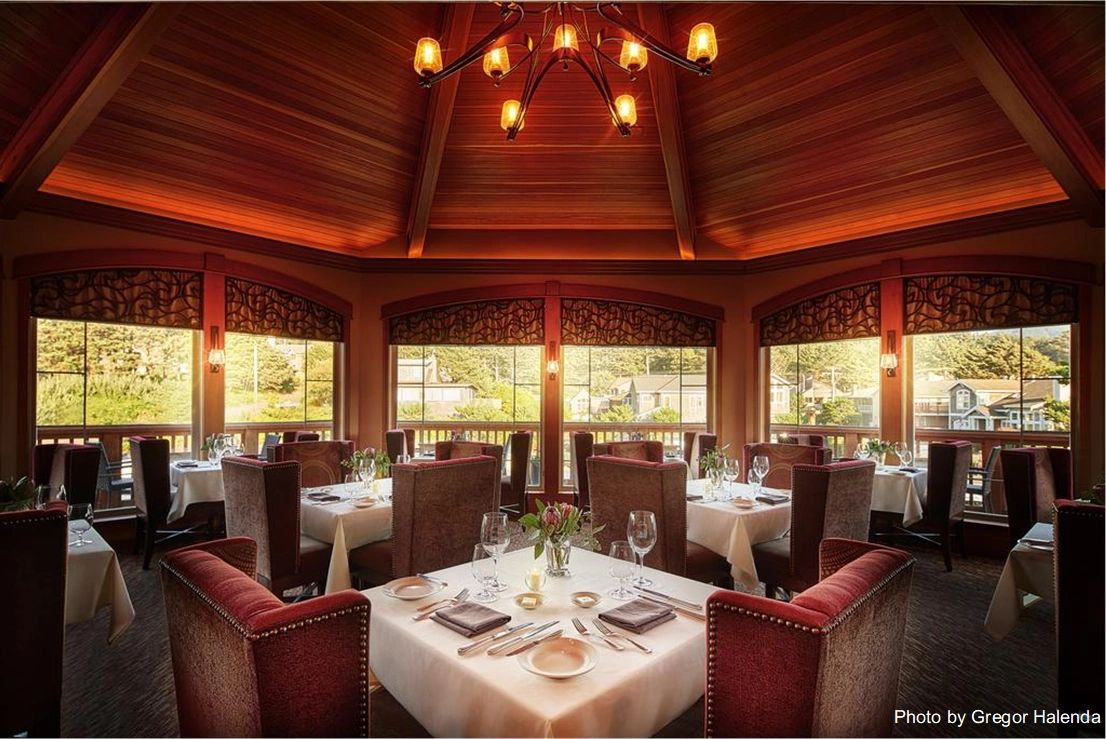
x: 833, y: 554
x: 239, y: 552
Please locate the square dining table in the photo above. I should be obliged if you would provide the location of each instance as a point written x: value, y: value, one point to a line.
x: 94, y: 580
x: 900, y: 491
x: 1026, y: 579
x: 195, y: 482
x: 346, y: 526
x: 628, y: 693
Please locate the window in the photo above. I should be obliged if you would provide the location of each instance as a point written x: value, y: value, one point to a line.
x: 829, y: 387
x: 963, y: 399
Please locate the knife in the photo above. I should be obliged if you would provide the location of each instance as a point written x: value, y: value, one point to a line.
x: 431, y: 578
x: 531, y: 645
x: 465, y: 649
x: 662, y: 596
x: 500, y: 648
x: 678, y: 609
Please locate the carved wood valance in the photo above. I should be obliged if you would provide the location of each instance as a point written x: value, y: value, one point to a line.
x: 967, y: 302
x: 614, y: 323
x: 148, y: 297
x: 514, y: 321
x: 253, y: 308
x: 848, y: 313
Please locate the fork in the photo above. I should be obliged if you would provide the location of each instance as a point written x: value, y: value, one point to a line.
x: 584, y: 630
x: 611, y: 632
x: 460, y: 597
x: 428, y: 606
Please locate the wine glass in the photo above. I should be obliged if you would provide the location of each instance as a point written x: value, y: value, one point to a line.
x: 495, y: 536
x: 621, y: 568
x: 62, y: 495
x: 80, y: 525
x: 760, y: 467
x: 641, y: 530
x: 862, y: 451
x: 403, y: 459
x: 483, y: 571
x: 731, y: 472
x: 906, y: 456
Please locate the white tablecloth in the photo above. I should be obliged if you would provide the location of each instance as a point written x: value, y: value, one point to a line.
x: 1026, y: 578
x: 200, y: 484
x: 627, y: 694
x: 93, y: 580
x: 902, y: 493
x: 731, y: 531
x: 345, y: 526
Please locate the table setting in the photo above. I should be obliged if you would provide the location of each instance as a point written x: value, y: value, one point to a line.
x: 348, y: 515
x: 195, y: 481
x: 897, y: 489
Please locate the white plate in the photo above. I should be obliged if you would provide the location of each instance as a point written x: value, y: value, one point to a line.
x: 745, y: 503
x: 364, y: 502
x: 412, y: 588
x: 560, y: 658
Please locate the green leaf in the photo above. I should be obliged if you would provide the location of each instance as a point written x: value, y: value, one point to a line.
x: 529, y: 521
x: 539, y: 549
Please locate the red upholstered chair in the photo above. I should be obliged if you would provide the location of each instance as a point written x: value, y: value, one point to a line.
x: 289, y: 437
x: 33, y: 545
x: 804, y: 439
x: 437, y: 509
x: 263, y: 503
x: 512, y: 487
x: 825, y: 664
x: 1078, y: 535
x: 620, y: 485
x: 1034, y: 478
x: 644, y: 451
x: 781, y: 458
x: 245, y: 664
x: 946, y: 492
x: 320, y: 461
x: 461, y: 449
x: 399, y: 441
x: 76, y: 466
x: 583, y: 447
x: 828, y: 501
x: 707, y: 443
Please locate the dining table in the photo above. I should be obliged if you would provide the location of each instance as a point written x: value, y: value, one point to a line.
x: 344, y: 524
x: 900, y: 491
x: 94, y: 580
x: 195, y: 481
x: 627, y: 693
x: 1026, y: 578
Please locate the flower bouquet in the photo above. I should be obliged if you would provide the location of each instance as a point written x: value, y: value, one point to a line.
x: 17, y: 495
x: 712, y: 465
x: 553, y: 529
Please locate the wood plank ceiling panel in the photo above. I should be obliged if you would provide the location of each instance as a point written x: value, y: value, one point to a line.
x: 835, y: 122
x: 37, y: 40
x: 567, y: 169
x: 294, y: 121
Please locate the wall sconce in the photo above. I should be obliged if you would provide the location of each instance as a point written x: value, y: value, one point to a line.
x: 216, y: 357
x: 889, y: 360
x: 552, y: 366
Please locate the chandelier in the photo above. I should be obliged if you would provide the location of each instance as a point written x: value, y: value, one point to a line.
x: 564, y: 28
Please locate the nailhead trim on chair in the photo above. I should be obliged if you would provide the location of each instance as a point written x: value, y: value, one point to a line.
x: 51, y: 515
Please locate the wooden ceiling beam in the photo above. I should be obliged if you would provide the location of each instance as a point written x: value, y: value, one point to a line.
x: 666, y: 107
x: 76, y: 97
x: 439, y: 114
x: 1017, y: 85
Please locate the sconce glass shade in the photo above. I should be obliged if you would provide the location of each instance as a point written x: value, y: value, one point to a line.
x: 565, y: 36
x: 216, y: 358
x: 510, y: 112
x: 428, y: 57
x: 634, y: 56
x: 497, y: 62
x: 552, y: 367
x: 702, y: 45
x: 888, y: 361
x: 626, y: 107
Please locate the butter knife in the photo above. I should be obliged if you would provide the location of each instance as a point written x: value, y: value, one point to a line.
x: 465, y: 649
x: 500, y: 648
x: 531, y: 645
x: 673, y: 599
x: 674, y: 607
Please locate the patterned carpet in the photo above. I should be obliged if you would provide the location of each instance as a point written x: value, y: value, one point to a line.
x: 126, y: 689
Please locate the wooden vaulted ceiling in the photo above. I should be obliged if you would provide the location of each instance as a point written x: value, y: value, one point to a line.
x: 301, y: 123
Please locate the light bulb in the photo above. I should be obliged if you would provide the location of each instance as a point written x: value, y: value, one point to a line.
x: 497, y: 62
x: 702, y: 45
x: 634, y: 56
x: 510, y: 112
x: 428, y: 57
x: 565, y: 37
x: 626, y: 107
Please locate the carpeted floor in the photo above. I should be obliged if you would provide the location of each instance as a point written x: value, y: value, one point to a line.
x: 126, y: 689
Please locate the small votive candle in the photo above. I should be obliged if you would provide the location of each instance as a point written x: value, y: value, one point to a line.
x: 535, y: 579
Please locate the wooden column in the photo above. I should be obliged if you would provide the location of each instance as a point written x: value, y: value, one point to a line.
x: 211, y: 418
x: 892, y: 390
x: 551, y: 393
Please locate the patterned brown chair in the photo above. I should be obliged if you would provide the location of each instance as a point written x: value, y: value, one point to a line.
x: 1034, y: 478
x: 804, y: 439
x: 512, y: 487
x: 825, y: 664
x: 289, y: 437
x: 76, y: 466
x: 263, y: 503
x: 246, y: 664
x: 437, y: 509
x: 583, y: 447
x: 781, y: 458
x: 34, y: 546
x: 461, y: 449
x: 695, y: 441
x: 828, y: 501
x: 644, y: 451
x: 398, y: 442
x: 946, y: 492
x: 620, y: 485
x: 320, y: 461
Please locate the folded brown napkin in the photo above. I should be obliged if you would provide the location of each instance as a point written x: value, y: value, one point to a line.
x: 908, y: 469
x: 639, y: 615
x: 470, y: 619
x: 773, y: 498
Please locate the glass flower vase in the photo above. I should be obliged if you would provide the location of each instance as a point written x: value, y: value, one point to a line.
x: 557, y: 554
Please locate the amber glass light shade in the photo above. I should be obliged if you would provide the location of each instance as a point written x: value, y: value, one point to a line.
x: 626, y: 107
x: 509, y: 114
x: 497, y: 62
x: 634, y: 56
x: 428, y: 57
x: 702, y: 45
x: 565, y: 36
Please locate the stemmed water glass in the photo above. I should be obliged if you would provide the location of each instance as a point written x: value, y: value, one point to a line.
x: 730, y: 473
x: 862, y: 451
x: 641, y: 531
x: 494, y: 537
x: 80, y: 525
x: 760, y: 469
x: 483, y: 571
x: 403, y: 459
x: 904, y: 453
x: 621, y: 568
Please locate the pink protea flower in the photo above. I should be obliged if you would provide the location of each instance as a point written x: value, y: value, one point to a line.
x: 551, y: 517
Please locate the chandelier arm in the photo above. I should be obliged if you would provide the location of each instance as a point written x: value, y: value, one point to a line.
x: 598, y: 79
x: 515, y: 15
x: 649, y: 42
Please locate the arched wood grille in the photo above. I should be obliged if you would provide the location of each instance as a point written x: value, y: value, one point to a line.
x: 509, y: 322
x: 253, y: 308
x: 148, y: 297
x: 966, y: 302
x: 848, y: 313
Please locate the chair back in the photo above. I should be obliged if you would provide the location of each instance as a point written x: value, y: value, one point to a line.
x: 461, y: 449
x: 1080, y: 605
x: 947, y: 482
x: 804, y: 439
x: 76, y: 466
x: 843, y: 641
x: 34, y: 545
x: 263, y: 503
x: 520, y: 442
x: 271, y: 440
x: 828, y: 501
x: 1034, y: 478
x: 620, y: 485
x: 150, y: 474
x: 696, y: 446
x: 583, y: 446
x: 289, y: 437
x: 781, y: 458
x: 245, y: 664
x: 437, y: 509
x: 396, y: 443
x: 643, y: 451
x: 320, y: 461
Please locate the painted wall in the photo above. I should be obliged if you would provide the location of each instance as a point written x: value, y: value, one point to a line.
x: 737, y: 399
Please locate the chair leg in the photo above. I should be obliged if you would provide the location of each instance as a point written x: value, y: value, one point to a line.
x: 137, y: 534
x: 946, y: 549
x: 769, y: 591
x: 963, y: 546
x: 151, y: 533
